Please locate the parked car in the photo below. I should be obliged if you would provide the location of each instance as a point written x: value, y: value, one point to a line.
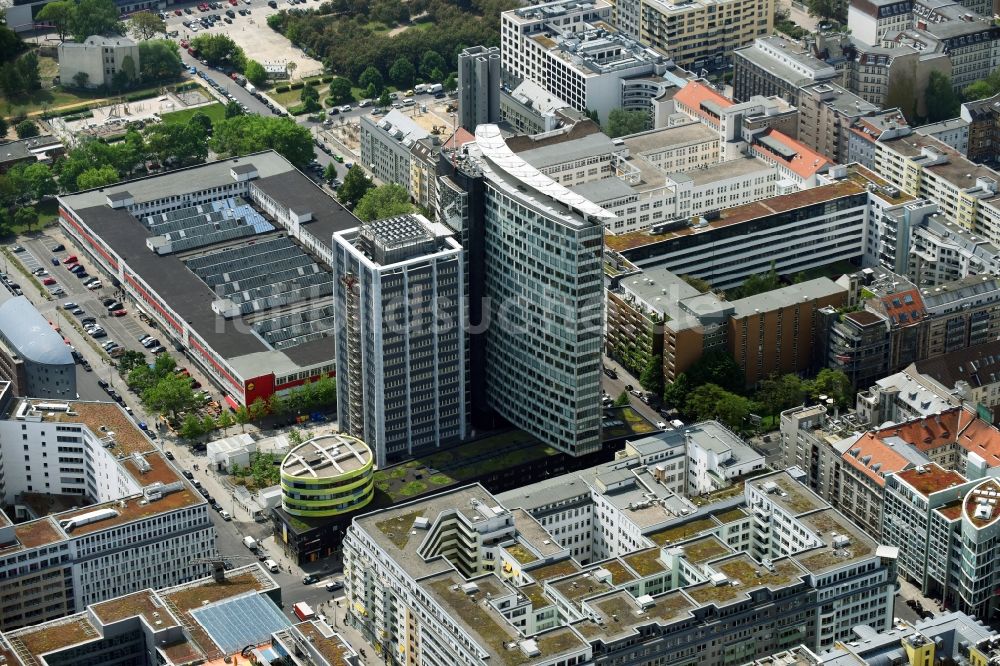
x: 96, y: 284
x: 59, y: 248
x: 48, y: 281
x: 309, y: 579
x: 71, y: 259
x: 114, y: 305
x: 121, y: 312
x: 55, y: 261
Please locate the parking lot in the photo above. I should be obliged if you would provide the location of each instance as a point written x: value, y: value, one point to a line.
x: 249, y: 31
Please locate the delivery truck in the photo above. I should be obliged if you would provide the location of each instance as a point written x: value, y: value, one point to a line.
x: 303, y: 611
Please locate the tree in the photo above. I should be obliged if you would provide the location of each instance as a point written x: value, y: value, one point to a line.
x: 701, y: 285
x: 431, y: 63
x: 756, y: 284
x: 941, y: 101
x: 651, y: 378
x: 129, y: 361
x: 310, y: 99
x: 202, y: 121
x: 37, y: 180
x: 330, y: 172
x: 59, y: 15
x: 120, y: 81
x: 252, y: 133
x: 97, y: 177
x: 225, y: 421
x: 171, y: 394
x: 25, y: 217
x: 371, y: 77
x: 295, y: 437
x: 451, y: 82
x: 384, y: 201
x: 208, y: 424
x: 242, y: 417
x: 145, y: 25
x: 81, y: 79
x: 95, y: 17
x: 159, y: 60
x: 290, y: 68
x: 191, y: 428
x: 834, y: 384
x: 402, y: 73
x: 676, y: 392
x: 219, y: 50
x: 340, y: 90
x: 711, y: 401
x: 27, y: 70
x: 180, y: 144
x: 254, y: 71
x: 828, y: 9
x: 776, y: 394
x: 716, y: 367
x: 622, y: 400
x: 10, y: 80
x: 277, y: 404
x: 622, y: 122
x: 979, y: 90
x: 384, y: 99
x: 356, y: 184
x: 233, y: 109
x: 257, y: 409
x: 26, y: 129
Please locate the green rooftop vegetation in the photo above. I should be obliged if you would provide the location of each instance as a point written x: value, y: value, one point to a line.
x: 450, y: 467
x: 645, y: 562
x: 554, y: 570
x: 578, y: 587
x: 520, y: 553
x: 669, y: 606
x: 536, y: 595
x: 827, y: 557
x: 731, y: 516
x: 398, y: 528
x: 797, y: 499
x: 625, y: 421
x: 619, y: 574
x: 749, y: 574
x: 704, y: 550
x: 684, y: 531
x: 473, y: 614
x: 556, y: 641
x: 716, y: 496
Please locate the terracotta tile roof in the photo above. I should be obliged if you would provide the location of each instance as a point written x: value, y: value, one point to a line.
x: 905, y: 307
x: 694, y: 96
x: 955, y: 426
x: 806, y: 161
x: 874, y: 458
x: 459, y: 139
x: 932, y: 479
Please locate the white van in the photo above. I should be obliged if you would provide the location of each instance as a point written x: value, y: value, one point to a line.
x: 272, y: 566
x: 249, y: 542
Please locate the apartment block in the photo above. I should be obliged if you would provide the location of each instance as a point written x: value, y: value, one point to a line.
x: 970, y: 375
x: 774, y: 65
x: 573, y: 50
x: 479, y: 81
x: 463, y: 577
x: 98, y: 59
x: 386, y: 144
x: 866, y: 131
x: 971, y: 42
x: 826, y: 114
x: 590, y: 511
x: 234, y: 615
x: 400, y: 353
x: 698, y: 33
x: 869, y: 20
x: 983, y: 117
x: 106, y: 513
x: 792, y: 232
x: 929, y: 169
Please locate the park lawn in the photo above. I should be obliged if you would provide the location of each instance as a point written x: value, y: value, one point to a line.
x: 48, y: 68
x: 51, y: 99
x: 215, y: 112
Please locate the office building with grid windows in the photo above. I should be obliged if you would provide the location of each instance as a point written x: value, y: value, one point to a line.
x: 398, y: 288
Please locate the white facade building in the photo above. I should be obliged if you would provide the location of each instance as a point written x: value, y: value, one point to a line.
x: 137, y: 523
x: 400, y: 350
x: 100, y: 59
x: 462, y: 577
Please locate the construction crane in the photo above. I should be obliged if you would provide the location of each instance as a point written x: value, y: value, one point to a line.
x: 219, y: 564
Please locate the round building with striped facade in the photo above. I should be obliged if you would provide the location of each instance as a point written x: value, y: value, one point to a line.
x: 327, y: 476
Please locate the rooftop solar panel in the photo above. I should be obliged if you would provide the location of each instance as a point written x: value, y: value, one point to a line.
x: 237, y: 623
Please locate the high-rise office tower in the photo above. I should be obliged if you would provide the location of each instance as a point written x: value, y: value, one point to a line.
x: 536, y: 330
x: 401, y: 368
x: 478, y: 86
